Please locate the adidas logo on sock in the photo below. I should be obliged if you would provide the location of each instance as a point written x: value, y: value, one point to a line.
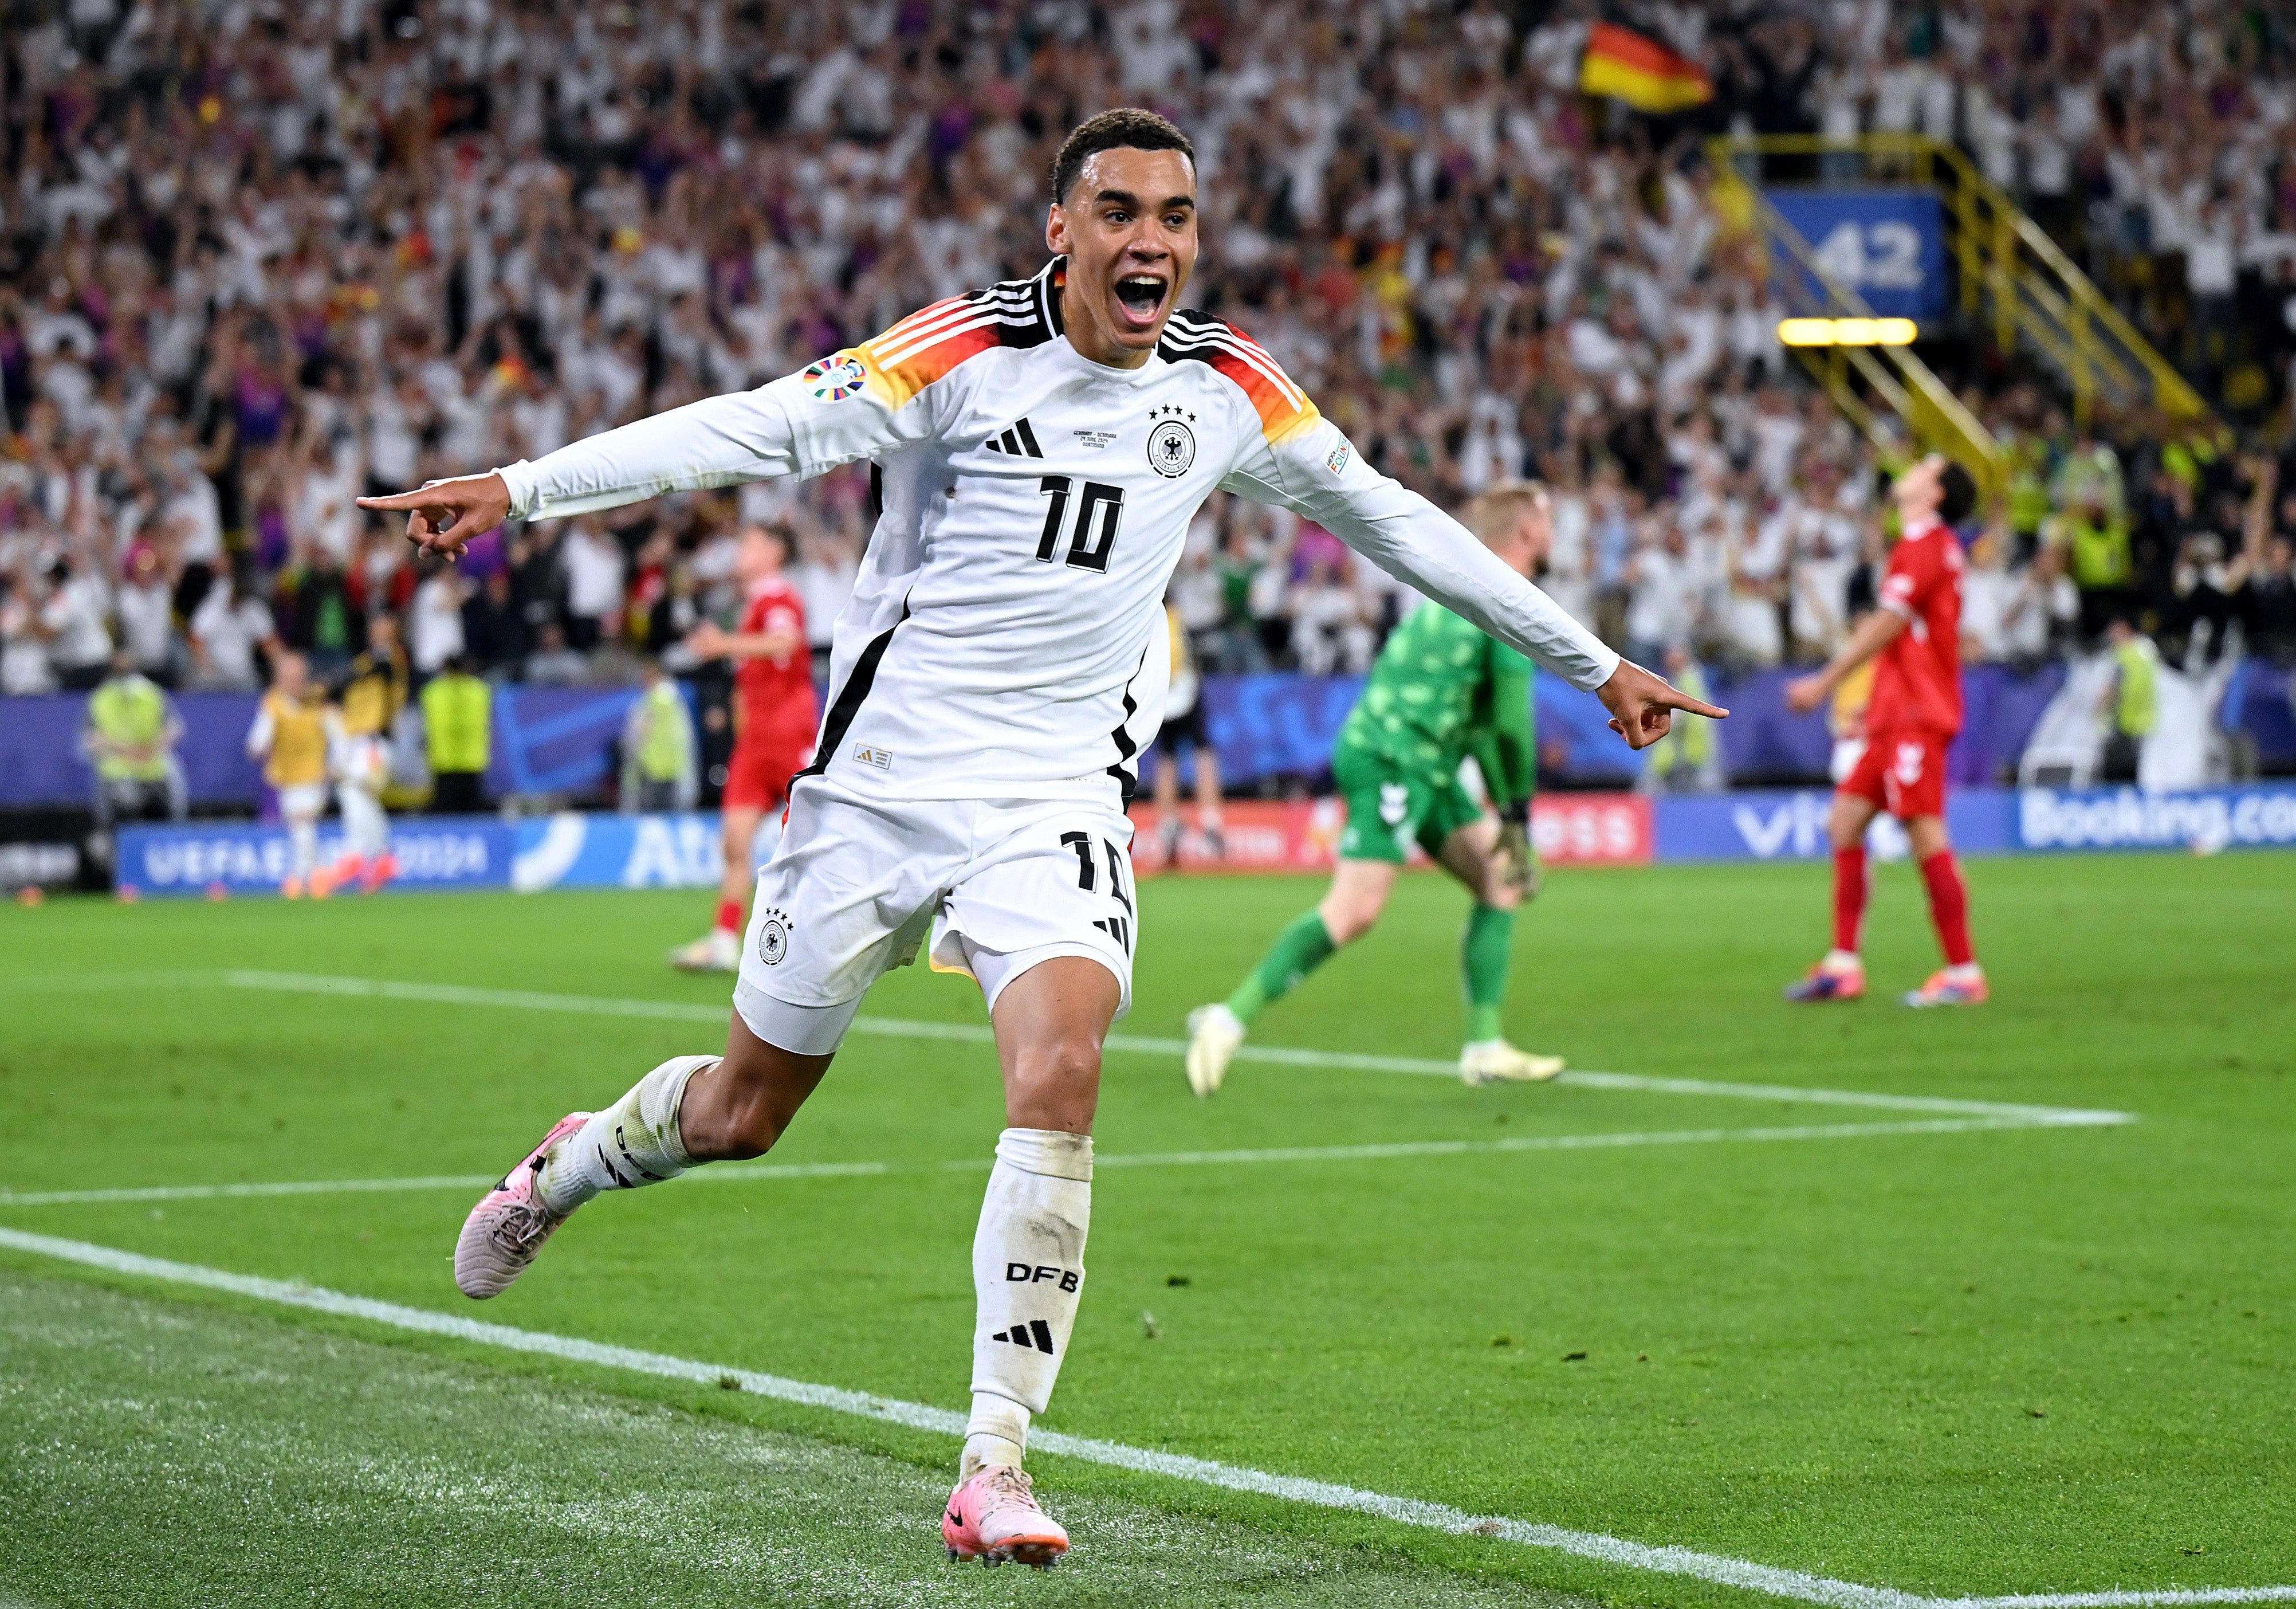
x: 1035, y: 1334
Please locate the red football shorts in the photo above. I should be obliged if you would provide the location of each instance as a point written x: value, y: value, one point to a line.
x: 1902, y: 773
x: 757, y: 776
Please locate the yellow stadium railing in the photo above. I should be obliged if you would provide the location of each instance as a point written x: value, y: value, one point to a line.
x: 1893, y: 377
x: 2011, y: 273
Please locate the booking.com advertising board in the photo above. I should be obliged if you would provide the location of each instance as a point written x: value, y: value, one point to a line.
x: 577, y: 850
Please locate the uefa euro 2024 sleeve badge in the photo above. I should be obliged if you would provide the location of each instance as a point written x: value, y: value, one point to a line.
x: 1171, y: 444
x: 834, y: 379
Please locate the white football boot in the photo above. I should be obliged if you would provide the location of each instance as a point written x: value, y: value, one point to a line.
x: 716, y: 951
x: 1214, y: 1031
x: 1496, y: 1061
x: 505, y: 1232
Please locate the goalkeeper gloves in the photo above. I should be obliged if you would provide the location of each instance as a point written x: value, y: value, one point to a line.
x: 1514, y: 843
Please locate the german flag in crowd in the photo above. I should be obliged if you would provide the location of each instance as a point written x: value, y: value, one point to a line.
x: 1641, y: 72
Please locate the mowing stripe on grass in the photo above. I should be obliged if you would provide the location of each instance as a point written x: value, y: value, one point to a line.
x: 1792, y: 1584
x: 972, y: 1033
x: 735, y: 1172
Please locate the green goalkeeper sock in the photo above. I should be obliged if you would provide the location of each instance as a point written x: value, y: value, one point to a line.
x: 1299, y: 950
x: 1484, y: 957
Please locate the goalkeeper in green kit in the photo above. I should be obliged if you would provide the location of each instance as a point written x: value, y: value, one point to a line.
x: 1440, y: 691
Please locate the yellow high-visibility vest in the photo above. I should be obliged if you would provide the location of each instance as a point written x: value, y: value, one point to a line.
x: 457, y: 719
x: 132, y: 712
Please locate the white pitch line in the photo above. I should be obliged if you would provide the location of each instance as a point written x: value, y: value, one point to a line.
x: 1384, y: 1151
x: 972, y: 1033
x: 1793, y: 1584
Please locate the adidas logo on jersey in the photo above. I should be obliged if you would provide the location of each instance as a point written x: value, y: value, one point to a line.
x: 1018, y: 439
x: 1035, y: 1335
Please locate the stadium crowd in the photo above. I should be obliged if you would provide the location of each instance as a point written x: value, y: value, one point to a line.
x: 262, y: 259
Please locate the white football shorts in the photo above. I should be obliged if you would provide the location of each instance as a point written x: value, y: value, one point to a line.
x: 856, y: 884
x: 303, y: 800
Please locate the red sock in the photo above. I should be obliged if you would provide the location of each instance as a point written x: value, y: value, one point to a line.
x: 1948, y: 907
x: 1848, y: 897
x: 729, y: 915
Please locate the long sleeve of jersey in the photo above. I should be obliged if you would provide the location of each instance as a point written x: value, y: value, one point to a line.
x: 1306, y: 464
x: 1507, y: 753
x: 839, y: 410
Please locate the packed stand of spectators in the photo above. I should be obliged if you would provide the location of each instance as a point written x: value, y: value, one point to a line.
x: 267, y: 258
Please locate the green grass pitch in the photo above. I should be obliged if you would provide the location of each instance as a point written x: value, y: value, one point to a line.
x: 2050, y: 1360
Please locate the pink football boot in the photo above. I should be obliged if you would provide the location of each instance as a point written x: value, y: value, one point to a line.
x: 994, y: 1517
x: 505, y: 1230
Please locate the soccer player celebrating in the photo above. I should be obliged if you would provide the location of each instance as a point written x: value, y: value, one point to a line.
x: 292, y: 733
x: 1440, y: 691
x: 1915, y: 636
x: 1039, y: 447
x: 774, y: 715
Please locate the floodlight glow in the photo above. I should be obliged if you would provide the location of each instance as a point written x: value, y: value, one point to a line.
x: 1846, y: 332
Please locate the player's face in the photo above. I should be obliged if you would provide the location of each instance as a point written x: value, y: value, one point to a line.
x: 758, y: 557
x: 1538, y: 529
x: 1917, y: 491
x: 291, y: 676
x: 1129, y: 230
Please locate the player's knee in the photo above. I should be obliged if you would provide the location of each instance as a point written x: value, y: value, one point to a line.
x: 1348, y: 920
x: 1054, y: 1083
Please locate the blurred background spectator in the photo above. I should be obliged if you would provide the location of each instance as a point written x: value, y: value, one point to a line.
x: 254, y: 261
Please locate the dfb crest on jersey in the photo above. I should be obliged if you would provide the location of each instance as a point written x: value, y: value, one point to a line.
x: 772, y: 936
x: 1171, y: 445
x: 834, y: 379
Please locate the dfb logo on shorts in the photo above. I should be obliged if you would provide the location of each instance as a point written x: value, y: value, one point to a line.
x: 1171, y: 446
x: 1021, y: 1273
x: 772, y: 937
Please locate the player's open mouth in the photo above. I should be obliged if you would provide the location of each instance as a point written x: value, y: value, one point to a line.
x: 1142, y: 295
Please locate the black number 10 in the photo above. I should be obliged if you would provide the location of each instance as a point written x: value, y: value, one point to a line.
x: 1088, y: 549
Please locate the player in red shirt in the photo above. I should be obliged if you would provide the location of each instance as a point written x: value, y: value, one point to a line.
x: 774, y: 718
x: 1914, y: 712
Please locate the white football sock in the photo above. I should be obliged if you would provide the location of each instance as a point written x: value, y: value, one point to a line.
x: 631, y: 1143
x: 1028, y: 1270
x: 1842, y: 960
x: 302, y: 846
x: 366, y: 830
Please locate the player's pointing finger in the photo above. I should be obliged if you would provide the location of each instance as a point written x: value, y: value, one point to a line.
x: 401, y: 500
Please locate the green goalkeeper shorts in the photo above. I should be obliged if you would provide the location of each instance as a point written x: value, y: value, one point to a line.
x: 1391, y: 805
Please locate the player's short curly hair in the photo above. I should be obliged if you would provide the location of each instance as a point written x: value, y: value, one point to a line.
x: 1956, y: 494
x: 1125, y: 129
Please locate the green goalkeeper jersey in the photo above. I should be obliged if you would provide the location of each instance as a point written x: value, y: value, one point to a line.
x: 1441, y: 690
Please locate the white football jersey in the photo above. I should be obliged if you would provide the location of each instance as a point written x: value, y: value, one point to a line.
x: 1006, y: 638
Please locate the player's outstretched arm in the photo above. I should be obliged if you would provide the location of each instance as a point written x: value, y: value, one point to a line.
x: 1316, y: 472
x: 1874, y: 633
x: 837, y: 410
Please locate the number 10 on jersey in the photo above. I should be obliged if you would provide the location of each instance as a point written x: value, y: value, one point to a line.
x: 1088, y: 548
